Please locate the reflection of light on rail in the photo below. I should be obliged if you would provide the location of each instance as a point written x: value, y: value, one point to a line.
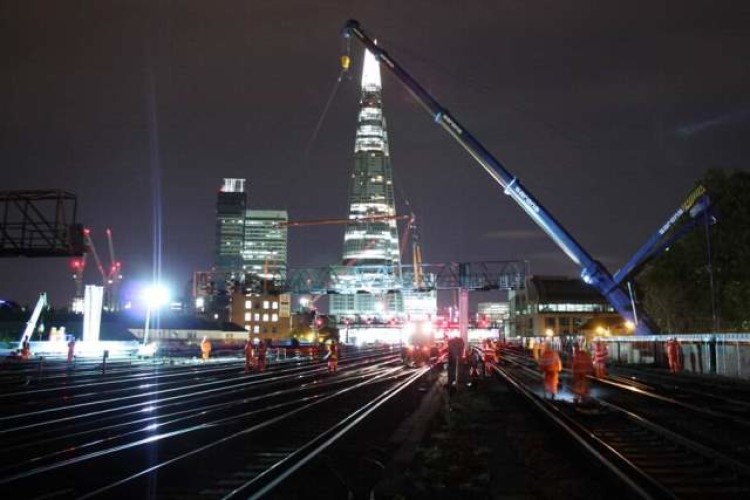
x: 634, y: 389
x: 148, y: 409
x: 151, y: 427
x: 145, y: 386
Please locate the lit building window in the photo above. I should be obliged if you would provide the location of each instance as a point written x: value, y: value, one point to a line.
x: 274, y: 305
x: 265, y: 304
x: 274, y: 317
x: 248, y: 304
x: 257, y: 316
x: 248, y: 316
x: 265, y: 317
x: 256, y: 329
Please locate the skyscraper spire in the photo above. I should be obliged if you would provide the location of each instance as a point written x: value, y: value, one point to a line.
x: 373, y: 243
x: 371, y: 73
x: 371, y: 185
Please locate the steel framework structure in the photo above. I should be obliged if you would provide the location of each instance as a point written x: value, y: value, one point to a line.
x: 40, y: 223
x: 487, y: 275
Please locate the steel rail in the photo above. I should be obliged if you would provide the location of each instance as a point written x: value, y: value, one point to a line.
x: 157, y: 410
x: 180, y: 432
x: 545, y: 410
x: 739, y: 480
x: 191, y: 414
x: 330, y: 436
x: 179, y: 391
x: 313, y: 403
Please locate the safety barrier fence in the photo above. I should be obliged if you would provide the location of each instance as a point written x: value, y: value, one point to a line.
x: 726, y: 354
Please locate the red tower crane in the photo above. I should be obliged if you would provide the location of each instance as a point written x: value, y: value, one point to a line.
x: 114, y: 276
x: 78, y: 265
x: 111, y: 277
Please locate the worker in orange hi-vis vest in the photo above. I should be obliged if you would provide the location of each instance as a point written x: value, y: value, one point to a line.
x: 205, y: 348
x: 490, y: 357
x: 581, y: 366
x: 71, y: 349
x: 25, y: 348
x: 249, y: 355
x: 673, y: 355
x: 333, y: 356
x: 535, y: 350
x: 550, y: 365
x: 261, y: 353
x: 601, y: 353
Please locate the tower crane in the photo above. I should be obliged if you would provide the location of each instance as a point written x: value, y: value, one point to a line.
x: 92, y: 249
x: 411, y: 232
x: 114, y: 276
x: 411, y: 228
x: 78, y: 264
x: 110, y: 278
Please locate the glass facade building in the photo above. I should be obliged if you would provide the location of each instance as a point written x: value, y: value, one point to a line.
x: 373, y: 243
x: 230, y: 226
x: 265, y: 248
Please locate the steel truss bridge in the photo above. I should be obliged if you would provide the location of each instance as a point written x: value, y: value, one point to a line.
x: 341, y: 279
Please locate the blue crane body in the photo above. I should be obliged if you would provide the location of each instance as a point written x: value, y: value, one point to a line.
x: 592, y: 271
x: 695, y: 208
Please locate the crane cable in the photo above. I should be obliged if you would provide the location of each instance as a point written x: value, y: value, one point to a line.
x: 345, y: 62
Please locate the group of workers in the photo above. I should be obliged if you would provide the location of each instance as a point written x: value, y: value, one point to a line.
x: 582, y: 365
x: 255, y: 356
x: 25, y: 352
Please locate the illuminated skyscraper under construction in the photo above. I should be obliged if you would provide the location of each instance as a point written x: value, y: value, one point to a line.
x: 371, y: 246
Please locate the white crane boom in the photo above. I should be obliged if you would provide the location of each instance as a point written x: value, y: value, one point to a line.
x: 34, y: 319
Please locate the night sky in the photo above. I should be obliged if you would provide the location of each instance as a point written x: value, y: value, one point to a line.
x: 608, y: 112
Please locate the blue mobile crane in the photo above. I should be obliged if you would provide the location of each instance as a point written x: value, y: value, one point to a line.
x: 592, y: 271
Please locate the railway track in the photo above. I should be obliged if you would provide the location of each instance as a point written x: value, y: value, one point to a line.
x: 654, y: 459
x: 229, y: 433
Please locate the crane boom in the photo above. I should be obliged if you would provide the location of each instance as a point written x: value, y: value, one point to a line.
x: 41, y: 303
x: 356, y: 220
x: 90, y: 245
x: 592, y: 272
x: 112, y: 262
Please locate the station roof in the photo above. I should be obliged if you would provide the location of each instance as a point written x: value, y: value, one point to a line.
x: 559, y: 289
